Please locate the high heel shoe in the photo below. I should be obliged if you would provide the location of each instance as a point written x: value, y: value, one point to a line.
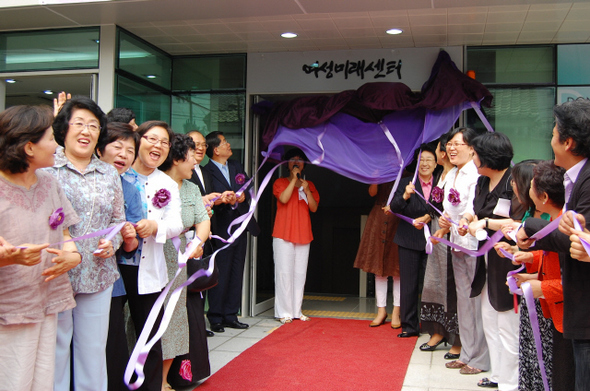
x: 425, y: 347
x: 374, y: 324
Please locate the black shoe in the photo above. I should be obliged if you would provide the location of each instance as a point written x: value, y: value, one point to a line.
x: 235, y: 325
x: 406, y: 334
x: 425, y: 347
x: 217, y: 327
x: 485, y: 382
x: 210, y: 333
x: 451, y: 356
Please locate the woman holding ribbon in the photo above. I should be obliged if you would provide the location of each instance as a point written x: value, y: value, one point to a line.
x: 292, y: 235
x: 179, y: 166
x: 146, y: 273
x: 33, y: 285
x: 458, y: 198
x: 94, y: 189
x: 438, y: 315
x: 547, y: 193
x: 410, y: 236
x: 492, y: 156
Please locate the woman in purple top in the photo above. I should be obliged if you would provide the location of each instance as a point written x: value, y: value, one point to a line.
x: 33, y: 283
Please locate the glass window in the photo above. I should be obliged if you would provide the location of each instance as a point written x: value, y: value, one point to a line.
x: 49, y: 50
x: 211, y: 112
x: 512, y: 65
x: 146, y: 103
x: 209, y: 73
x: 525, y: 115
x: 572, y: 64
x: 144, y: 60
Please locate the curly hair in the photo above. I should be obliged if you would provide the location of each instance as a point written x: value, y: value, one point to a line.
x: 61, y: 124
x: 179, y: 148
x: 548, y: 178
x: 20, y: 125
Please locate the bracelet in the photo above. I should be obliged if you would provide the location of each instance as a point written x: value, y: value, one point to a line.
x: 487, y: 222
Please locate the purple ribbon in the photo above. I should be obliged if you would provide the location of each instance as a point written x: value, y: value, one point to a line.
x: 427, y: 235
x: 488, y: 245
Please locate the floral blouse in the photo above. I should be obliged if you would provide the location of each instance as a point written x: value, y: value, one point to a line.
x: 97, y: 197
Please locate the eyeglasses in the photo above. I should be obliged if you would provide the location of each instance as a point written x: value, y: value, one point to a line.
x: 427, y: 161
x: 223, y: 143
x: 81, y: 125
x: 455, y: 145
x: 295, y: 160
x: 154, y: 140
x: 200, y: 145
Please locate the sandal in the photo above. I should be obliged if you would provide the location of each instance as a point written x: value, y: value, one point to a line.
x: 285, y: 320
x: 304, y: 318
x: 467, y: 370
x: 456, y: 364
x: 485, y: 382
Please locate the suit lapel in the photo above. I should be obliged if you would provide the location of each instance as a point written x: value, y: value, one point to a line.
x: 216, y: 174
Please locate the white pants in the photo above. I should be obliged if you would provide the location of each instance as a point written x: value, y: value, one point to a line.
x: 381, y: 291
x: 27, y: 355
x: 86, y: 327
x: 290, y: 273
x: 501, y: 331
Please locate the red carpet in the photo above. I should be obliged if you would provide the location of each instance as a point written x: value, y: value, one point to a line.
x: 322, y: 354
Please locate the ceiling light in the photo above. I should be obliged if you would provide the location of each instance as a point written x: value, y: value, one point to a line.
x: 10, y: 81
x: 394, y: 31
x: 48, y: 92
x: 151, y: 76
x: 288, y: 35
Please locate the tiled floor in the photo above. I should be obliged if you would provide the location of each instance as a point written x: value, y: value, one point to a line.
x: 426, y: 371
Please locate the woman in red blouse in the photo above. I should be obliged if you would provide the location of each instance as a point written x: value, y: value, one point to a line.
x: 292, y: 235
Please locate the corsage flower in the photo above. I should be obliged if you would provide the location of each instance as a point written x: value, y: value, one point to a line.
x: 185, y: 370
x: 161, y: 198
x: 240, y: 179
x: 56, y: 218
x: 454, y: 197
x: 437, y: 194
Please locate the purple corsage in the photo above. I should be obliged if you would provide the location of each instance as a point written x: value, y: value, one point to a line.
x: 437, y: 194
x: 454, y: 197
x: 56, y: 218
x: 161, y: 198
x: 240, y: 179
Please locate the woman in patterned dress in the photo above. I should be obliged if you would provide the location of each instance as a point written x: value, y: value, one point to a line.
x: 179, y: 166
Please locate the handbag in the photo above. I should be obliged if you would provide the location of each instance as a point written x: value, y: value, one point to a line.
x: 204, y: 282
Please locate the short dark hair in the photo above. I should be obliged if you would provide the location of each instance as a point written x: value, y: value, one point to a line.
x: 120, y: 114
x: 147, y: 125
x: 468, y: 134
x: 119, y: 131
x: 425, y: 148
x: 573, y: 120
x: 20, y: 125
x: 61, y: 124
x: 291, y: 153
x: 549, y: 179
x: 522, y: 173
x: 212, y: 140
x: 179, y: 148
x: 494, y: 150
x: 443, y: 141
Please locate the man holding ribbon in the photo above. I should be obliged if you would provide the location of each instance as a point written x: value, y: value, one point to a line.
x: 227, y: 175
x: 571, y: 146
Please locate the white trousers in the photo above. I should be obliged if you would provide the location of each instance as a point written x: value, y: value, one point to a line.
x: 381, y: 291
x: 86, y: 327
x: 27, y: 355
x: 290, y: 273
x: 501, y: 331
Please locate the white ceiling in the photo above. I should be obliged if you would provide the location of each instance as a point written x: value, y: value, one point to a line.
x: 182, y: 27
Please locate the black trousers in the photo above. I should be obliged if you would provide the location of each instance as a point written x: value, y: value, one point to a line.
x: 140, y: 307
x: 412, y: 264
x: 225, y: 298
x: 116, y: 351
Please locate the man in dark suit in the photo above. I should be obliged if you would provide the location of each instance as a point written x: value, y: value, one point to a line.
x: 571, y: 146
x: 227, y: 177
x: 410, y: 238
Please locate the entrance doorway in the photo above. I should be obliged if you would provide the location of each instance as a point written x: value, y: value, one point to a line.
x: 336, y: 229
